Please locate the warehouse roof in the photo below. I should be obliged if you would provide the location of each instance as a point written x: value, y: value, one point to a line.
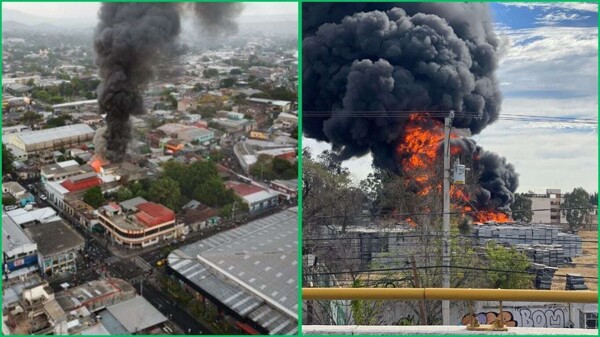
x: 45, y: 135
x: 251, y: 269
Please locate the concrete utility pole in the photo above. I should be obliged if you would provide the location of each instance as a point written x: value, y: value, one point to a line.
x: 446, y: 219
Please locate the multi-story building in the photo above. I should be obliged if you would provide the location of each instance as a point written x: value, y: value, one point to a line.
x: 18, y: 192
x: 57, y: 190
x: 547, y: 206
x: 145, y: 224
x: 58, y: 246
x: 63, y: 170
x: 19, y: 251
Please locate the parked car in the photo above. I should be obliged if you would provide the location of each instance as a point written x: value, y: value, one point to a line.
x: 10, y: 207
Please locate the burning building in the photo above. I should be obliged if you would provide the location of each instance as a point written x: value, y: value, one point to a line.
x: 380, y: 78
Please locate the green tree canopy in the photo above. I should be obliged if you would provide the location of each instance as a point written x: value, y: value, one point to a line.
x: 508, y: 267
x: 8, y: 201
x: 31, y: 118
x: 93, y: 197
x: 228, y: 82
x: 124, y: 193
x: 576, y: 207
x: 213, y: 193
x: 210, y: 72
x: 7, y: 161
x: 522, y: 208
x: 165, y: 191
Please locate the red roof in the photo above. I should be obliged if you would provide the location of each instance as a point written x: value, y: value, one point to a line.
x: 152, y: 214
x: 242, y: 189
x: 82, y: 184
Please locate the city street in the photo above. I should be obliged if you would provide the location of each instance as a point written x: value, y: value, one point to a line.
x: 170, y: 309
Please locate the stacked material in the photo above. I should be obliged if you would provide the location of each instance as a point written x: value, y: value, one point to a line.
x: 515, y: 234
x: 571, y: 244
x: 549, y: 255
x: 544, y: 275
x: 575, y: 282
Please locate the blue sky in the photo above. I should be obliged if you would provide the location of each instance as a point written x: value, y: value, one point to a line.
x: 549, y: 67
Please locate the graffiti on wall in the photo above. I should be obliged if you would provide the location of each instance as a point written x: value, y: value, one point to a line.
x: 525, y: 317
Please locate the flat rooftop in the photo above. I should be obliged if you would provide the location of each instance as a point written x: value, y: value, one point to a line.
x: 136, y: 314
x: 124, y: 221
x: 54, y: 238
x: 13, y: 236
x: 251, y: 269
x: 87, y: 293
x: 46, y: 135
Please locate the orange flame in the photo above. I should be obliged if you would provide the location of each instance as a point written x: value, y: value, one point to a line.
x: 96, y: 163
x: 419, y: 149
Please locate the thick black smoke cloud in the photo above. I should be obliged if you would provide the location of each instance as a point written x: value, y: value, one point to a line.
x: 130, y: 39
x: 363, y: 63
x: 498, y: 179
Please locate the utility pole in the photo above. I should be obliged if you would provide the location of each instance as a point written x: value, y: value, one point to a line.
x: 446, y: 219
x: 417, y: 282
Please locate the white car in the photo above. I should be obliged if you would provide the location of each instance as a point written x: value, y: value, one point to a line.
x: 10, y: 208
x: 43, y: 197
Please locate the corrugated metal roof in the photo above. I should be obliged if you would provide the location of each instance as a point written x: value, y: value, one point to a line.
x: 252, y: 269
x: 45, y: 135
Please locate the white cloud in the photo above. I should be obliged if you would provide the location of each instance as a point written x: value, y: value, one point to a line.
x: 557, y: 17
x: 579, y: 6
x: 552, y: 59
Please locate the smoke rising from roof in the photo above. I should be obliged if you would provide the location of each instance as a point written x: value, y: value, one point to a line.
x: 129, y: 41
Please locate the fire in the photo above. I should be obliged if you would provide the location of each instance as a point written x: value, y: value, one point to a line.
x: 483, y: 216
x: 96, y: 163
x: 419, y: 150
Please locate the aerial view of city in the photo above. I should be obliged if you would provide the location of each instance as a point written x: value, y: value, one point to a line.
x: 149, y: 168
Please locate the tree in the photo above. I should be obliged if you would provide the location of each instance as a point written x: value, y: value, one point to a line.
x: 213, y: 193
x: 522, y: 208
x: 197, y: 87
x: 508, y: 268
x: 8, y: 201
x: 124, y: 194
x: 31, y: 118
x: 165, y: 191
x: 57, y: 121
x: 228, y: 82
x: 235, y: 71
x: 210, y: 72
x: 576, y: 207
x: 7, y: 161
x: 93, y: 197
x: 594, y: 199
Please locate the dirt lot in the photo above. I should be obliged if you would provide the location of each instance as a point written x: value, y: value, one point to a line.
x: 586, y: 265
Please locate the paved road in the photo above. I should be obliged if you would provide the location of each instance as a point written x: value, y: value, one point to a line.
x: 177, y: 315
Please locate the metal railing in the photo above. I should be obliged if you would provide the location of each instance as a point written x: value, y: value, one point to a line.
x: 452, y: 294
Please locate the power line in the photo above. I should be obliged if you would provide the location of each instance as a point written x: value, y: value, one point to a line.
x: 439, y: 267
x: 433, y: 213
x: 442, y: 113
x: 431, y: 234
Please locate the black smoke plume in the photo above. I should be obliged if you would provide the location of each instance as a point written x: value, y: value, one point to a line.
x: 130, y: 39
x: 366, y: 65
